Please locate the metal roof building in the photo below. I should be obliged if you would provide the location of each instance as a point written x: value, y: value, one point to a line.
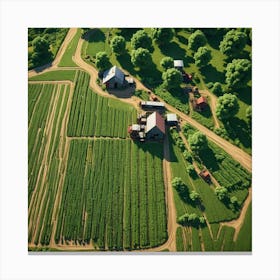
x: 113, y: 77
x: 155, y: 128
x: 172, y: 118
x: 178, y: 63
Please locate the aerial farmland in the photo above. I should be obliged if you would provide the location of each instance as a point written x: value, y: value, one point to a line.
x: 139, y: 139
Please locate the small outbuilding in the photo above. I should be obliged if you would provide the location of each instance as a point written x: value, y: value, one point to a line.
x: 171, y: 119
x: 152, y: 105
x: 155, y: 128
x: 113, y: 78
x: 179, y: 64
x: 201, y: 103
x: 205, y: 175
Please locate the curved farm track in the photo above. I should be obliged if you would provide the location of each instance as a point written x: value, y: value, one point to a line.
x: 234, y: 151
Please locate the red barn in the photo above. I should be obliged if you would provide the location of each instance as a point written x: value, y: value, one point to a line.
x: 201, y: 103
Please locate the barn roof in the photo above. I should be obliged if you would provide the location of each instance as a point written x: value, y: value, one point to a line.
x: 171, y: 117
x: 201, y: 100
x: 155, y: 120
x: 113, y: 72
x: 178, y: 63
x: 152, y: 103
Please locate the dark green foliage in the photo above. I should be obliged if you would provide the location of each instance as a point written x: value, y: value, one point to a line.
x: 162, y: 36
x: 172, y: 78
x: 202, y: 57
x: 238, y: 73
x: 227, y: 106
x: 102, y: 61
x: 196, y: 40
x: 141, y: 58
x: 117, y: 215
x: 188, y: 157
x: 233, y: 43
x: 141, y: 40
x: 191, y: 171
x: 179, y: 240
x: 217, y: 89
x: 190, y: 219
x: 118, y: 45
x: 249, y: 114
x: 40, y: 45
x: 221, y: 192
x: 167, y: 62
x: 198, y: 142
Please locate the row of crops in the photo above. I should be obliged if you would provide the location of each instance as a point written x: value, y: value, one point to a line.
x: 200, y: 239
x: 46, y: 113
x: 214, y: 209
x: 113, y: 195
x: 94, y: 115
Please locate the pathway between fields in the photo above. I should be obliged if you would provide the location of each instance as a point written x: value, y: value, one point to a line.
x: 53, y: 65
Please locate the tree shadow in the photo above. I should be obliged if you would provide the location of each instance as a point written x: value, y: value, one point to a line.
x: 182, y: 39
x: 125, y: 62
x: 238, y: 128
x: 245, y: 95
x: 209, y: 160
x: 175, y: 51
x: 211, y: 74
x: 95, y: 35
x: 127, y: 33
x: 153, y: 148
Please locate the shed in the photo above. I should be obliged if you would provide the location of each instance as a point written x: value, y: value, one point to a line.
x: 152, y: 105
x: 113, y: 78
x: 172, y: 119
x: 179, y: 64
x: 205, y: 175
x: 155, y: 128
x: 201, y: 102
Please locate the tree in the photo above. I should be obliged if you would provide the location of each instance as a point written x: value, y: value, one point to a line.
x: 196, y: 40
x: 198, y: 142
x: 41, y: 53
x: 40, y: 45
x: 202, y: 220
x: 167, y: 62
x: 234, y: 200
x: 194, y: 196
x: 188, y: 157
x: 118, y: 45
x: 141, y: 58
x: 238, y: 73
x: 227, y: 106
x: 141, y: 39
x: 172, y: 78
x: 176, y: 182
x: 102, y: 61
x: 249, y: 114
x: 162, y: 36
x: 221, y: 193
x: 202, y: 57
x: 217, y: 88
x: 233, y: 43
x: 191, y: 171
x: 84, y: 31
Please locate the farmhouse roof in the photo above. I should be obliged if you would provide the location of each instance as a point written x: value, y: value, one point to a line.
x: 178, y: 63
x: 155, y: 120
x: 152, y: 103
x: 171, y: 117
x: 113, y: 72
x: 201, y: 100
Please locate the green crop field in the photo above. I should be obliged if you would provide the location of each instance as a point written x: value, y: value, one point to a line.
x: 94, y: 115
x: 46, y: 117
x: 113, y: 195
x: 66, y: 60
x: 56, y: 75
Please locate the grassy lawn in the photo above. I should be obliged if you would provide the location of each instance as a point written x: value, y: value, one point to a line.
x: 66, y: 59
x: 58, y: 75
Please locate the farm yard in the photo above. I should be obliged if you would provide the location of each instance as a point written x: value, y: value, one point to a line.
x: 180, y: 186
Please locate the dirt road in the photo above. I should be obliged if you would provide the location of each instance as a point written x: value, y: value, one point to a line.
x: 39, y: 70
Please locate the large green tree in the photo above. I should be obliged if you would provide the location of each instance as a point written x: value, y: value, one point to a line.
x: 217, y: 89
x: 172, y: 78
x: 141, y: 58
x: 141, y: 39
x: 233, y: 43
x: 102, y: 61
x: 238, y: 73
x: 118, y: 45
x: 41, y: 51
x: 198, y: 142
x: 196, y: 40
x: 167, y: 62
x: 227, y: 106
x: 221, y: 192
x: 202, y: 57
x: 162, y: 36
